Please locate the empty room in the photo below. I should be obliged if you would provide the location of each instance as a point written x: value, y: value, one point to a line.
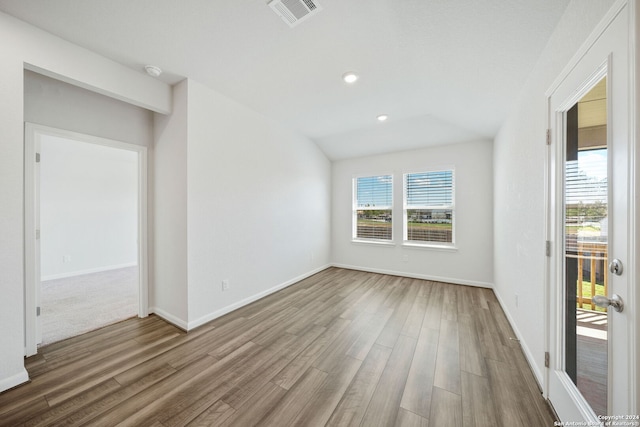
x: 319, y: 212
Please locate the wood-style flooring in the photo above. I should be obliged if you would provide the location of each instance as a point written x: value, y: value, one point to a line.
x: 341, y: 348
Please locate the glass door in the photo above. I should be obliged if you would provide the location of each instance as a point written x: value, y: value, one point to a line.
x: 586, y: 220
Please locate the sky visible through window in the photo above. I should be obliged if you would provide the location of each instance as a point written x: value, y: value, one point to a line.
x: 374, y: 191
x: 587, y: 178
x: 430, y: 188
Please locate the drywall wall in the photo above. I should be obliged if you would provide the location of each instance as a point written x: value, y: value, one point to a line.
x: 519, y: 161
x: 88, y: 207
x: 470, y: 263
x: 168, y: 297
x: 258, y: 205
x: 247, y: 200
x: 61, y: 105
x: 26, y: 46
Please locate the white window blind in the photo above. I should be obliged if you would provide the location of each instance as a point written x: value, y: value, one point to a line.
x: 429, y: 206
x: 373, y: 207
x: 586, y: 198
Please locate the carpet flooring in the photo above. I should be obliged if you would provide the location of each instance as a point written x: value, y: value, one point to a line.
x: 75, y: 305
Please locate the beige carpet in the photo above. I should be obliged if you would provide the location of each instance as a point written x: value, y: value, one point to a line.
x: 75, y: 305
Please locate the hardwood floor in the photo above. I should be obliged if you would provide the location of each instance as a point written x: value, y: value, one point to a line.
x: 341, y: 348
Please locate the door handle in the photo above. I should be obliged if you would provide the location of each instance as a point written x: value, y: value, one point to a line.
x: 615, y: 301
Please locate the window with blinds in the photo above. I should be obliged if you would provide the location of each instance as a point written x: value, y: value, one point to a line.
x: 586, y: 194
x: 429, y: 207
x: 372, y: 207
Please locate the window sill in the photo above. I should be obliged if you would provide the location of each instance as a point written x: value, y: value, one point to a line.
x: 432, y: 246
x: 373, y: 242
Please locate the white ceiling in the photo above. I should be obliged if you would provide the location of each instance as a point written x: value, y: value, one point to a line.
x: 445, y: 71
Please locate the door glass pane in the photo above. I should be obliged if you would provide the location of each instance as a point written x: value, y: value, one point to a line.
x: 586, y: 220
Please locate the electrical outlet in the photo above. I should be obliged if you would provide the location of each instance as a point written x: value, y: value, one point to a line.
x: 225, y: 285
x: 405, y: 258
x: 66, y: 259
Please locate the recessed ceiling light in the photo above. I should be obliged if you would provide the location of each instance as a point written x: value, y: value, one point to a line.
x: 382, y: 117
x: 350, y: 77
x: 152, y: 70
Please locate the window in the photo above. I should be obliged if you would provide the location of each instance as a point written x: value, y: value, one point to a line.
x: 372, y: 207
x: 429, y: 207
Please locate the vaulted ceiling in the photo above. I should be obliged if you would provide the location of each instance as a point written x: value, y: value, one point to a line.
x: 445, y: 71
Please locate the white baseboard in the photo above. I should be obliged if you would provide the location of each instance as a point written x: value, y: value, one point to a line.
x: 218, y: 313
x: 174, y: 320
x: 417, y: 276
x: 525, y: 348
x: 14, y: 380
x: 88, y: 271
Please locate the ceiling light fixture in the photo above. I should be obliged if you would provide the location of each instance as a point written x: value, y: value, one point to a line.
x: 382, y: 117
x: 350, y: 77
x: 152, y: 70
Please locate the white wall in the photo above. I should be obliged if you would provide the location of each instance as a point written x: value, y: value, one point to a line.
x: 258, y: 204
x: 88, y: 207
x: 471, y: 263
x: 247, y: 200
x: 24, y: 45
x: 519, y: 159
x: 168, y: 297
x: 61, y: 105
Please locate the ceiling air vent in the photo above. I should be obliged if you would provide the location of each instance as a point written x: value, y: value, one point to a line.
x: 295, y: 11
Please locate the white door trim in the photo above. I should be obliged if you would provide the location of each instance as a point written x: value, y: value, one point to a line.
x: 32, y: 134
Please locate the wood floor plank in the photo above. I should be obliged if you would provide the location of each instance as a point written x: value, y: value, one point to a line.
x: 299, y: 365
x: 447, y: 373
x: 450, y: 303
x: 96, y: 409
x: 417, y: 391
x: 118, y: 364
x: 394, y: 326
x: 264, y: 323
x: 149, y: 400
x: 385, y: 402
x: 245, y: 386
x: 413, y: 324
x: 519, y: 362
x: 471, y: 358
x: 361, y: 346
x: 250, y: 414
x: 356, y: 398
x: 488, y: 335
x: 477, y: 402
x: 295, y: 400
x: 433, y: 314
x: 409, y: 419
x: 214, y: 415
x: 446, y: 409
x: 339, y: 348
x: 204, y: 390
x: 331, y: 357
x: 324, y: 401
x: 152, y: 403
x: 24, y: 411
x: 505, y: 401
x: 53, y: 414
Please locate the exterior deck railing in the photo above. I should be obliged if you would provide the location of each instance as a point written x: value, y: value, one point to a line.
x: 594, y: 255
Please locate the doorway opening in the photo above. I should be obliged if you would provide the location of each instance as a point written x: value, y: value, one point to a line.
x: 85, y: 198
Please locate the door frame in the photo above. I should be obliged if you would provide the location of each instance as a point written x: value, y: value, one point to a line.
x: 552, y: 314
x: 32, y: 134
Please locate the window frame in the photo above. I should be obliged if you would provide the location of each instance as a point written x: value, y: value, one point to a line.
x: 406, y: 207
x: 355, y: 209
